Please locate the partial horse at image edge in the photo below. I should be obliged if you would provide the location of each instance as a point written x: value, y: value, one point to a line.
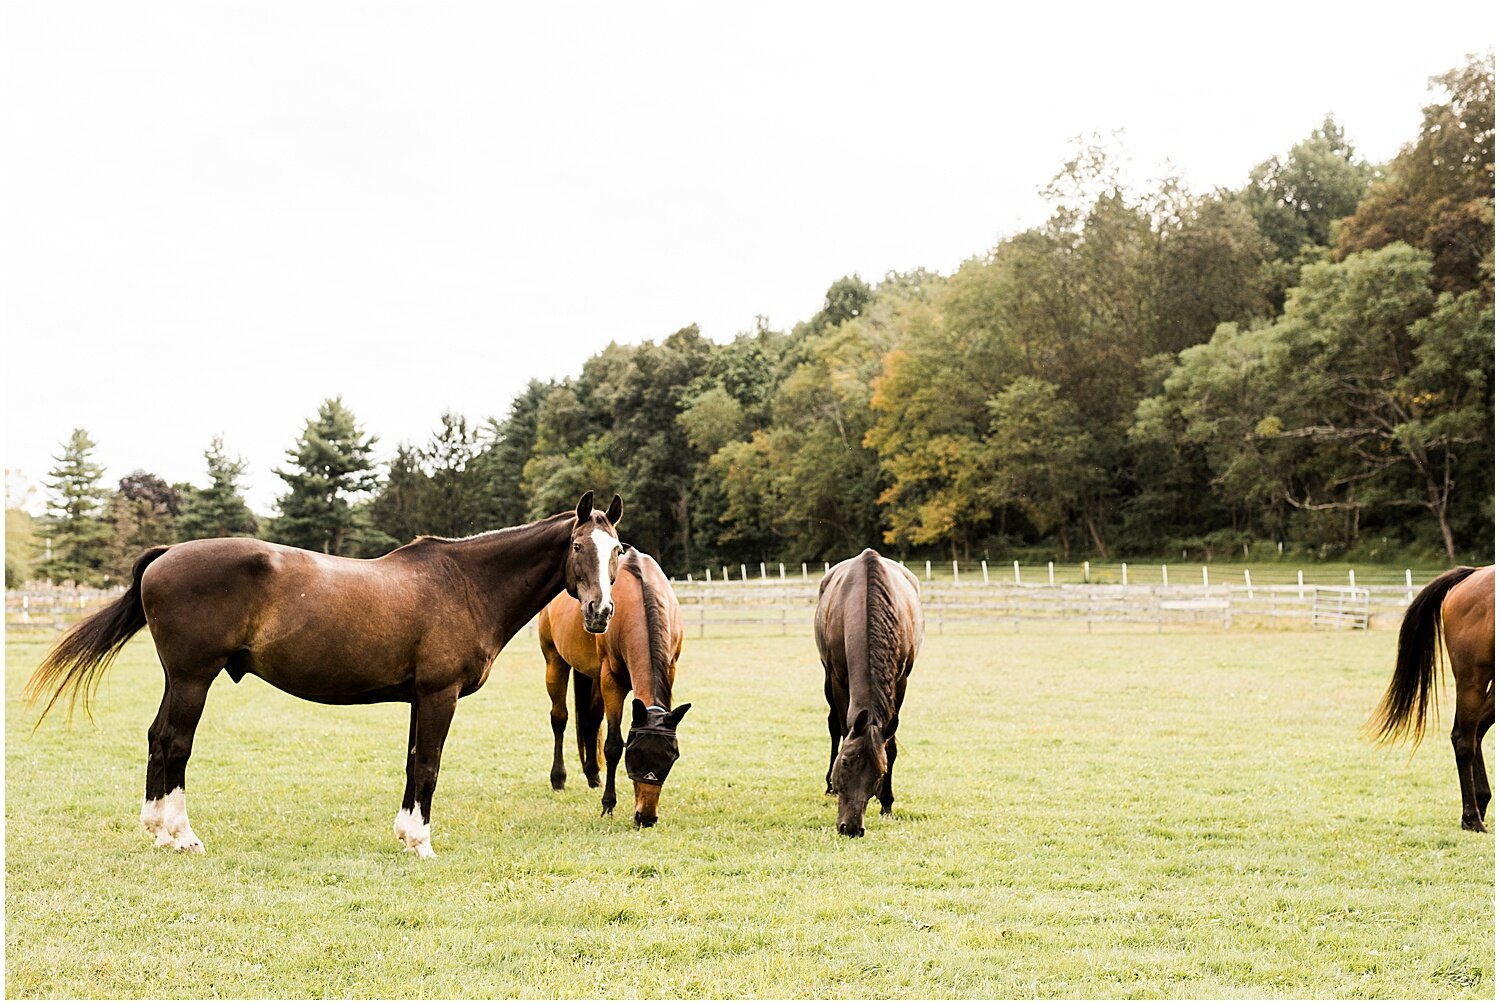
x: 1455, y: 611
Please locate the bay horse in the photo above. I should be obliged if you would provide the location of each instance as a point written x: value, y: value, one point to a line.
x: 868, y: 627
x: 1456, y: 608
x: 639, y: 653
x: 420, y: 625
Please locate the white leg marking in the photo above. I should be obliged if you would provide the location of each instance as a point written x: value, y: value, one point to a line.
x: 414, y: 832
x: 172, y: 828
x: 153, y: 813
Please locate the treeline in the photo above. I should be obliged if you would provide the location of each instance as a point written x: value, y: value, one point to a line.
x: 1305, y: 362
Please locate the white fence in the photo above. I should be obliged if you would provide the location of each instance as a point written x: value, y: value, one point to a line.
x: 776, y: 606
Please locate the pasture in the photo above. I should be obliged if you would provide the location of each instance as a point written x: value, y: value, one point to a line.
x: 1122, y: 814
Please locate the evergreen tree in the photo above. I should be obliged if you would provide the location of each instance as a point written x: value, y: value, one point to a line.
x: 75, y: 514
x: 141, y: 514
x: 331, y: 468
x: 219, y: 510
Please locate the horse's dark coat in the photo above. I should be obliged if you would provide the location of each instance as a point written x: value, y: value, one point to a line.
x: 868, y: 629
x: 422, y: 625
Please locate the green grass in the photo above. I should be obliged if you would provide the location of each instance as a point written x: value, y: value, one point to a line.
x: 1080, y: 816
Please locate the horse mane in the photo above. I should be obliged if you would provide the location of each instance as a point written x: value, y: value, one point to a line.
x: 656, y: 631
x: 882, y: 635
x: 484, y: 535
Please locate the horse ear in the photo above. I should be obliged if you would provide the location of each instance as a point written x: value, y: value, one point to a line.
x: 615, y: 511
x: 890, y: 727
x: 637, y: 713
x: 861, y: 722
x: 677, y: 713
x: 585, y: 505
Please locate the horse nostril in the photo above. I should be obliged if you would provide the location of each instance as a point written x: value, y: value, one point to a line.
x: 644, y: 821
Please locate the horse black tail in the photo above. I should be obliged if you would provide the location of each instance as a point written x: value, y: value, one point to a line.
x: 81, y: 656
x: 1403, y: 711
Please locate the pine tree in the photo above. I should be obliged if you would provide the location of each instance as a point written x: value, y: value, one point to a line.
x: 219, y: 510
x: 75, y: 514
x: 332, y: 467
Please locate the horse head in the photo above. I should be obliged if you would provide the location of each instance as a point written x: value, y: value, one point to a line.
x: 593, y: 561
x: 650, y: 752
x: 858, y: 769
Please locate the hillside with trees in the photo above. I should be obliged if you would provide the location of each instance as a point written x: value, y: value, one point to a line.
x: 1303, y: 363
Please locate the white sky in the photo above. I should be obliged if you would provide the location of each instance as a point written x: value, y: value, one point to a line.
x: 216, y: 217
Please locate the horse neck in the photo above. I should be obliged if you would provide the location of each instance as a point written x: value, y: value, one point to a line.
x: 647, y: 645
x: 515, y: 572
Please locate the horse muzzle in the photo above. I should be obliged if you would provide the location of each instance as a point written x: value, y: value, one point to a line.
x: 596, y: 617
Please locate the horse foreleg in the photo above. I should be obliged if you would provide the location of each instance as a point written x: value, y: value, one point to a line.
x: 589, y: 701
x: 557, y: 690
x: 1466, y: 721
x: 836, y: 708
x: 614, y: 742
x: 164, y: 811
x: 886, y: 796
x: 409, y: 797
x: 434, y: 714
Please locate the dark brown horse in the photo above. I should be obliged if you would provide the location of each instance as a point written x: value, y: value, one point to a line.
x: 638, y: 652
x: 868, y: 628
x: 1458, y: 608
x: 421, y: 625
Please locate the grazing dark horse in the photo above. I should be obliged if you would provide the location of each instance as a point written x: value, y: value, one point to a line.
x: 868, y: 628
x: 638, y: 652
x: 1458, y: 608
x: 421, y: 625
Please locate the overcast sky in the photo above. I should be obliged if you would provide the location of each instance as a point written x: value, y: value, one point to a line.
x: 216, y: 217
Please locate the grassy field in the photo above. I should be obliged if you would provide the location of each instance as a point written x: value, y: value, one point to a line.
x: 1080, y: 816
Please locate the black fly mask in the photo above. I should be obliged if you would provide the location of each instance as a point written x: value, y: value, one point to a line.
x: 651, y: 749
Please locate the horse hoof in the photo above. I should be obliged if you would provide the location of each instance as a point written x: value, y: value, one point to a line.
x: 1475, y: 825
x: 558, y: 783
x: 607, y: 811
x: 885, y: 811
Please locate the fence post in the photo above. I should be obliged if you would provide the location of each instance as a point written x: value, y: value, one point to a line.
x: 1124, y: 574
x: 1164, y: 576
x: 955, y: 572
x: 1301, y: 590
x: 1050, y: 580
x: 762, y: 570
x: 743, y: 577
x: 1205, y: 579
x: 1408, y: 586
x: 725, y: 571
x: 783, y: 571
x: 984, y: 570
x: 1249, y: 589
x: 26, y: 603
x: 1351, y: 579
x: 804, y: 572
x: 708, y: 575
x: 929, y: 570
x: 825, y: 568
x: 1016, y: 568
x: 1085, y: 570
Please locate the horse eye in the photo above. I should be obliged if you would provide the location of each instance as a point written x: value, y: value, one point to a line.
x: 577, y: 546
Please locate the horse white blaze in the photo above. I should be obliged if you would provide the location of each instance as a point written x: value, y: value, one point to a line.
x: 604, y: 549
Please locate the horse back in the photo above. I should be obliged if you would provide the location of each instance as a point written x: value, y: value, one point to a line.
x: 861, y: 591
x: 1469, y: 621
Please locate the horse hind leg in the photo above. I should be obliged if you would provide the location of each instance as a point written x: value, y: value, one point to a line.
x: 1481, y: 779
x: 589, y: 703
x: 1466, y: 722
x: 164, y: 810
